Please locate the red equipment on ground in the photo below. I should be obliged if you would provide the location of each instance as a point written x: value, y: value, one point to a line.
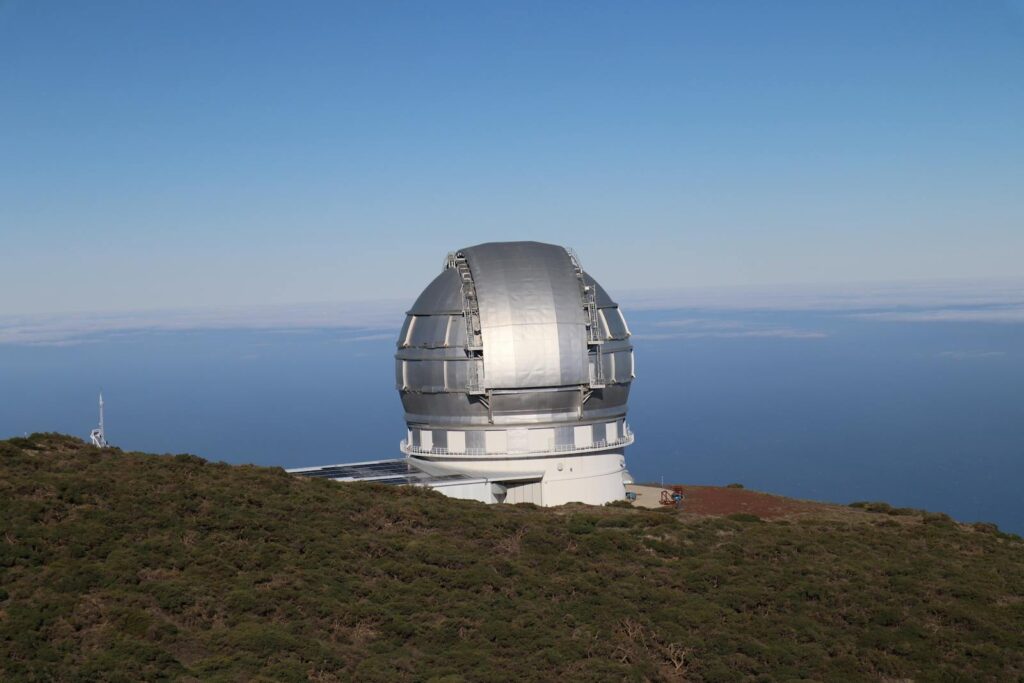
x: 673, y: 497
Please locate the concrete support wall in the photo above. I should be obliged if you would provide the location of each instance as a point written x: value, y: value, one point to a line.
x: 594, y: 479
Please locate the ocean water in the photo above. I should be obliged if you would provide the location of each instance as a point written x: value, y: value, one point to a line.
x: 832, y: 405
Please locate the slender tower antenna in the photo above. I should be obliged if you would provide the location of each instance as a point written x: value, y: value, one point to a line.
x: 98, y: 436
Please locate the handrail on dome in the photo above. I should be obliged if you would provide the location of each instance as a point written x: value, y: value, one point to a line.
x: 626, y: 439
x: 594, y: 339
x: 471, y: 315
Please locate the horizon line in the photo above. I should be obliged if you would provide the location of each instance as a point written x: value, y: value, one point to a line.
x: 944, y: 296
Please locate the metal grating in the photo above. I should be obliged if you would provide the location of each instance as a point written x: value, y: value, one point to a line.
x: 393, y: 472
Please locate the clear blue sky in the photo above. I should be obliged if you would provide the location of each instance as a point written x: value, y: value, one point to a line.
x: 165, y: 154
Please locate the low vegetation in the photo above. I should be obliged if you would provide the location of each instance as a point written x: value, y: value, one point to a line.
x: 126, y: 567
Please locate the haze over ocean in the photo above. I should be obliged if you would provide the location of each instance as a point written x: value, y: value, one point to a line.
x: 913, y: 402
x: 177, y: 178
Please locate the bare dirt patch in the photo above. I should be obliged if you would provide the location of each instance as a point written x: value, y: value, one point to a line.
x: 718, y: 500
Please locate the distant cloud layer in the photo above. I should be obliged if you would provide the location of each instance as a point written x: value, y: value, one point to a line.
x: 969, y: 355
x: 705, y: 328
x: 874, y: 297
x: 981, y: 314
x: 370, y: 319
x: 780, y: 333
x: 921, y: 302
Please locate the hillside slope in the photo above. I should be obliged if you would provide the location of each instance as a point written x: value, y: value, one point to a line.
x: 126, y: 566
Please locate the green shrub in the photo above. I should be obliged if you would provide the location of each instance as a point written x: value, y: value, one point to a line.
x: 581, y: 524
x: 743, y: 517
x: 937, y: 518
x: 885, y: 508
x: 164, y: 568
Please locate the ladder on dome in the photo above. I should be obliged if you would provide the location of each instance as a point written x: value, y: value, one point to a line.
x: 588, y: 293
x: 471, y: 314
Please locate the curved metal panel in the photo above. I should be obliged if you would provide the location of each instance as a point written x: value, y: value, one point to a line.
x: 422, y: 353
x: 424, y: 375
x: 531, y: 315
x: 608, y: 401
x: 623, y: 366
x: 613, y: 324
x: 603, y: 300
x: 457, y: 332
x: 403, y: 335
x: 442, y: 295
x: 429, y: 331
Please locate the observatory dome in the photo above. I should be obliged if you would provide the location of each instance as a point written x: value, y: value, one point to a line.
x: 515, y: 365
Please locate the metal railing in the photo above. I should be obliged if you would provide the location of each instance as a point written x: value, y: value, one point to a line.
x: 602, y: 444
x: 471, y: 316
x: 589, y: 296
x: 595, y: 336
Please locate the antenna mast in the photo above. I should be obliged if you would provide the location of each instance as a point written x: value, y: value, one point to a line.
x: 98, y: 436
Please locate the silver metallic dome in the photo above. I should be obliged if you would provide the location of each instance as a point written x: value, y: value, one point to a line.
x: 512, y: 334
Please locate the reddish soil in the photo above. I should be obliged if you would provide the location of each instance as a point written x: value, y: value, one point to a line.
x: 717, y: 500
x: 714, y: 500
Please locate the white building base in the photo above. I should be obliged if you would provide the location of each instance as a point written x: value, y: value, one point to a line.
x: 593, y: 479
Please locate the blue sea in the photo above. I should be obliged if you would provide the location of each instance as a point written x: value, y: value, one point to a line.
x: 915, y: 409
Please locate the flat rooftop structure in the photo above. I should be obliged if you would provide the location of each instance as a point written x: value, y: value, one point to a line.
x: 401, y: 472
x: 396, y: 472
